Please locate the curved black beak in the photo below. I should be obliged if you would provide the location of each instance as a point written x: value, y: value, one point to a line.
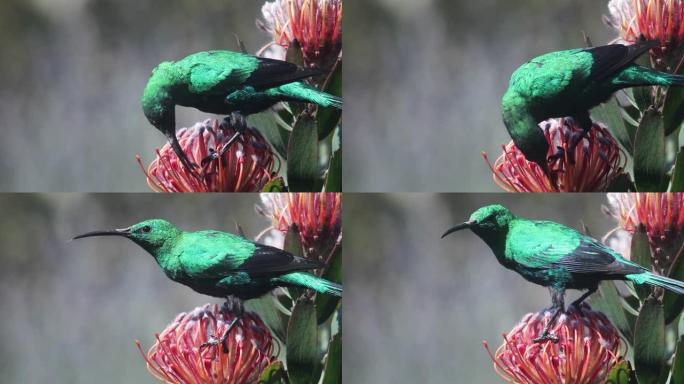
x: 458, y: 227
x: 125, y: 232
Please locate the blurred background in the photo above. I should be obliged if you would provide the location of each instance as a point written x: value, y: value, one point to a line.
x: 71, y: 311
x: 73, y: 71
x: 418, y: 307
x: 424, y: 80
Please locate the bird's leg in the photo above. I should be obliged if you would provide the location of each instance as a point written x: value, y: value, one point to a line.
x: 558, y: 306
x: 179, y: 152
x: 238, y: 122
x: 584, y: 121
x: 237, y: 308
x: 586, y: 294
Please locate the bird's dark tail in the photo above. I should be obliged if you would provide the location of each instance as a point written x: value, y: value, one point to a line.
x: 307, y: 280
x: 649, y: 278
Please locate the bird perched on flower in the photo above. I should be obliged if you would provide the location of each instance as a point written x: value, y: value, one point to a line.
x: 221, y: 264
x: 570, y: 83
x: 555, y: 256
x: 223, y: 82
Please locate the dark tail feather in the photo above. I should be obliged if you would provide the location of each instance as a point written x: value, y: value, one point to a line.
x: 677, y: 80
x: 333, y: 101
x: 307, y: 280
x: 649, y: 278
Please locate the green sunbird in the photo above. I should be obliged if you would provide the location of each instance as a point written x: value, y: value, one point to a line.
x: 555, y: 256
x: 222, y: 264
x: 224, y: 82
x: 569, y: 84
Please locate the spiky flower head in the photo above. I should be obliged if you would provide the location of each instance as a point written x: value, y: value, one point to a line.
x: 317, y: 217
x: 661, y: 20
x: 246, y: 166
x: 177, y: 355
x: 662, y: 217
x: 598, y: 161
x: 316, y: 26
x: 588, y: 347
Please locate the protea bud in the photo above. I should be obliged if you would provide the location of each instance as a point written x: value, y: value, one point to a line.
x: 316, y: 26
x: 317, y: 217
x: 588, y: 347
x: 598, y: 161
x: 661, y: 20
x: 662, y: 217
x: 247, y: 165
x: 177, y: 355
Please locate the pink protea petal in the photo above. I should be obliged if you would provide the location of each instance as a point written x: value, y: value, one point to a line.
x: 249, y: 162
x: 598, y: 161
x: 176, y: 356
x: 589, y: 347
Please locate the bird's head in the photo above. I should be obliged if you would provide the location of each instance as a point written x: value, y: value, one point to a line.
x: 157, y: 103
x: 152, y: 234
x: 490, y: 219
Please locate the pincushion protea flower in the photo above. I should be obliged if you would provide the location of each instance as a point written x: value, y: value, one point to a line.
x: 661, y: 20
x: 318, y: 217
x: 246, y: 166
x: 588, y: 347
x: 316, y: 25
x: 598, y: 161
x: 176, y: 356
x: 662, y: 216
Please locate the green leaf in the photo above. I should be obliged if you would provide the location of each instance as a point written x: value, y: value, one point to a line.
x: 333, y: 179
x: 277, y: 184
x: 326, y: 304
x: 642, y: 97
x: 621, y: 374
x: 607, y: 300
x: 678, y: 363
x: 673, y: 110
x: 649, y: 342
x: 678, y: 173
x: 268, y: 312
x: 329, y: 118
x: 333, y: 364
x: 267, y: 125
x: 673, y: 303
x: 610, y: 114
x: 293, y: 245
x: 303, y: 360
x: 274, y: 373
x: 649, y: 153
x: 302, y: 156
x: 640, y: 253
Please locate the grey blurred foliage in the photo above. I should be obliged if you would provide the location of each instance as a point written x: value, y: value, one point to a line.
x: 72, y: 310
x: 424, y: 80
x: 418, y: 307
x: 73, y: 71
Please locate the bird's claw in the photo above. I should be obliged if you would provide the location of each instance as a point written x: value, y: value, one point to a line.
x: 560, y: 152
x: 213, y: 342
x: 547, y: 337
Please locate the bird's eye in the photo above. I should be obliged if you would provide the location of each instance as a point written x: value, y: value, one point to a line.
x: 146, y: 229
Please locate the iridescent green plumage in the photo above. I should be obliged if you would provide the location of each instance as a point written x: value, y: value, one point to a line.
x: 223, y: 82
x: 569, y: 84
x: 555, y: 256
x: 221, y: 264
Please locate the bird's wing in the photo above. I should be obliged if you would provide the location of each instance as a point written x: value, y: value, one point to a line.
x: 610, y: 59
x: 221, y: 72
x: 545, y: 244
x: 215, y: 254
x: 593, y: 257
x: 272, y: 73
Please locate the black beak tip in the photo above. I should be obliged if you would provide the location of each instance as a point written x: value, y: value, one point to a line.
x: 458, y: 227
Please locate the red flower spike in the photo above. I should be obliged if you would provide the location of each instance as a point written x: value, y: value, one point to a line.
x: 598, y: 161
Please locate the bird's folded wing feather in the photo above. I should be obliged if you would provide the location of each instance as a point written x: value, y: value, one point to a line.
x: 552, y: 245
x: 610, y: 59
x: 217, y: 254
